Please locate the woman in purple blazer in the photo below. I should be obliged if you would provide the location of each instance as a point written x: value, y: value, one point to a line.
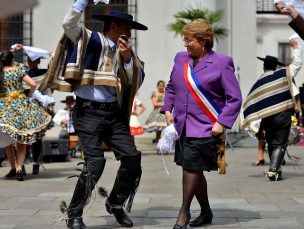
x: 197, y: 129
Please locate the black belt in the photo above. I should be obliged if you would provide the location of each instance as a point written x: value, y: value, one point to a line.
x: 86, y: 103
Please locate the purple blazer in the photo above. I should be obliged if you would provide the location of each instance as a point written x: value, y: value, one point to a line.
x: 216, y: 75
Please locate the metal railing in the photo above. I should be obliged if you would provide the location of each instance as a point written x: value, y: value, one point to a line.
x: 16, y: 29
x: 265, y: 7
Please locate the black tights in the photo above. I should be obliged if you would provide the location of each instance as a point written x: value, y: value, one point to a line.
x: 194, y: 184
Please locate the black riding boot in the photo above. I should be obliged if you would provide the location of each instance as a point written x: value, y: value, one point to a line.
x: 125, y: 187
x: 277, y: 157
x: 92, y: 170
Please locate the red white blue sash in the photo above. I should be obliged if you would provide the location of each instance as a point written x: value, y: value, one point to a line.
x: 200, y: 95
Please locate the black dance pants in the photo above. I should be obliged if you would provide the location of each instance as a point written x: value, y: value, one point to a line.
x: 111, y: 126
x: 277, y: 128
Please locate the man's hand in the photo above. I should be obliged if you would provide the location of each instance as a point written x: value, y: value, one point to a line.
x: 125, y: 48
x: 16, y: 47
x: 287, y: 10
x: 293, y: 43
x: 217, y: 129
x: 169, y: 117
x: 64, y: 122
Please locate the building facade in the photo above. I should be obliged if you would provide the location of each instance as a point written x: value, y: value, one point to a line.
x: 254, y: 29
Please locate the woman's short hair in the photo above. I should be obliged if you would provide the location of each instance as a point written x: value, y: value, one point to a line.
x: 6, y: 57
x: 201, y: 30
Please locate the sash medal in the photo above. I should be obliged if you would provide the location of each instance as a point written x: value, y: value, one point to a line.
x: 200, y: 95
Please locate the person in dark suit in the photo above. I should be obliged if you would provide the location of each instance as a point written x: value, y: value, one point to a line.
x: 297, y: 23
x: 34, y: 71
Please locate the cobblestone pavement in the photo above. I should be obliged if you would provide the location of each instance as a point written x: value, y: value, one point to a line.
x: 243, y: 198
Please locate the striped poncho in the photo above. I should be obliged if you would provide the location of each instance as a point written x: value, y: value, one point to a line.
x: 271, y: 94
x: 92, y: 62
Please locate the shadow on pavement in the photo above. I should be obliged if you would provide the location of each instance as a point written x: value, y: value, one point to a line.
x: 220, y: 217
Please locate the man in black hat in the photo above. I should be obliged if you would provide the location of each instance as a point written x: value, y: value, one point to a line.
x: 110, y: 76
x: 33, y: 60
x: 273, y: 101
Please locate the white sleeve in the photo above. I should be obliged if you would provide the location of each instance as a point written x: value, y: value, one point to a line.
x: 71, y: 25
x: 129, y: 70
x: 59, y: 116
x: 297, y: 63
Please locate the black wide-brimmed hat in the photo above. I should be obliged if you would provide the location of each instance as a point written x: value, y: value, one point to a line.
x: 271, y: 59
x: 118, y: 16
x: 68, y: 98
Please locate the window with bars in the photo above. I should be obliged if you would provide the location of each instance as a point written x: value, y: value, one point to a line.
x: 16, y: 29
x: 126, y: 6
x: 284, y: 53
x: 265, y: 7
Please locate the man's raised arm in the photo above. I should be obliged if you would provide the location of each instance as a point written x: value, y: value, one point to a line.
x: 71, y: 21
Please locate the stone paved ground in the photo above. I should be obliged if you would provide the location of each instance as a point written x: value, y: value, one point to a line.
x: 243, y: 198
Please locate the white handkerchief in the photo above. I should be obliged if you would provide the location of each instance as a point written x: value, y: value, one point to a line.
x: 44, y: 99
x: 102, y: 1
x: 35, y: 53
x: 167, y: 141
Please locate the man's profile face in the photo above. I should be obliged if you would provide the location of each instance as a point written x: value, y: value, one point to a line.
x: 123, y: 29
x: 70, y: 103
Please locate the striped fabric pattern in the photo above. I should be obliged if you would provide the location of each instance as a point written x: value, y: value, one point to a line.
x: 268, y: 96
x: 95, y: 56
x: 92, y: 62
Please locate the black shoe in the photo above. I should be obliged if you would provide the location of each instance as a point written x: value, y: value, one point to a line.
x: 185, y: 225
x: 23, y: 171
x: 76, y: 223
x: 274, y: 176
x: 35, y: 169
x: 259, y: 162
x: 121, y: 217
x: 201, y: 220
x: 280, y: 175
x: 11, y: 173
x: 19, y: 176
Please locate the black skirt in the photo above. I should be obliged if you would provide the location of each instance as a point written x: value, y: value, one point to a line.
x: 198, y: 154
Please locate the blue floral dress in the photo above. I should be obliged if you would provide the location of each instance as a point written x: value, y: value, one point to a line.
x: 22, y: 119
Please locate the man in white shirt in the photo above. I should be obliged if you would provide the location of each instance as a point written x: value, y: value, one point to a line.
x: 102, y: 110
x: 63, y: 118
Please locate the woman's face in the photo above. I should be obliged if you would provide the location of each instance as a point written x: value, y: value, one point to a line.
x: 194, y: 46
x: 161, y: 87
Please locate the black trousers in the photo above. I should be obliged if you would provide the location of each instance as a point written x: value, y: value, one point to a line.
x: 96, y: 122
x: 95, y: 125
x: 277, y: 128
x: 37, y: 150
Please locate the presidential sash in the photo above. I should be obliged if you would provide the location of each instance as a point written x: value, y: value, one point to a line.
x: 200, y: 95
